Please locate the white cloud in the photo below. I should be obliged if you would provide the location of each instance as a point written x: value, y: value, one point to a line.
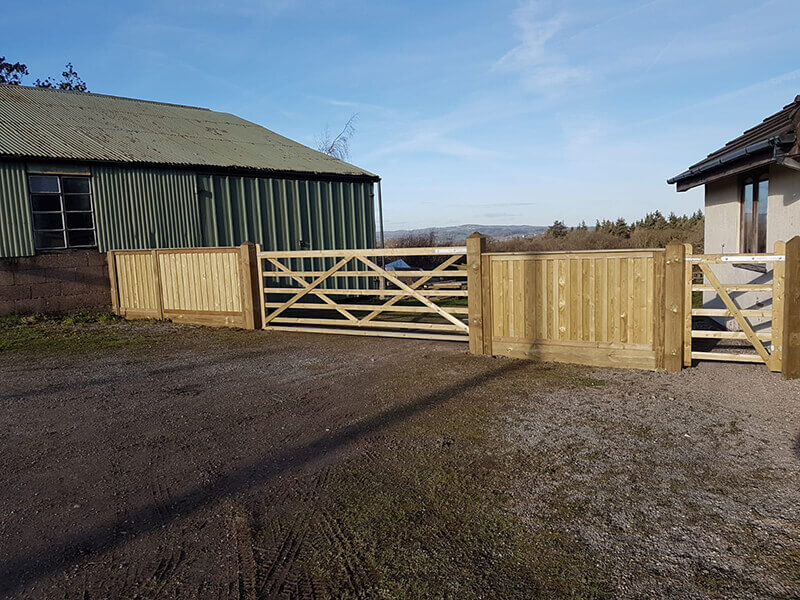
x: 436, y: 143
x: 541, y: 69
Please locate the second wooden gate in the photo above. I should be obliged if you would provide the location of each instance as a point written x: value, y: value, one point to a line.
x: 766, y: 338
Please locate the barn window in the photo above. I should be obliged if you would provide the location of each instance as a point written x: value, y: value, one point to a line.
x: 61, y: 206
x: 755, y: 192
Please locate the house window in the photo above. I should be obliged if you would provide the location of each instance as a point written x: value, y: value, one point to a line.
x: 61, y: 206
x: 755, y: 192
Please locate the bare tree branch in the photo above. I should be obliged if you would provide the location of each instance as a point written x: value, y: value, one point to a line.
x: 339, y: 146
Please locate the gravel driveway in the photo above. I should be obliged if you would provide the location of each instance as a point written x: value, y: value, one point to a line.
x: 160, y: 461
x: 681, y: 485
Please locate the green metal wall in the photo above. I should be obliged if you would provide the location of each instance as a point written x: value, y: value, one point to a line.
x: 138, y: 208
x: 16, y: 230
x: 286, y: 214
x: 145, y: 208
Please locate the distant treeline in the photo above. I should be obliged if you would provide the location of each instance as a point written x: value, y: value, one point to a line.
x: 653, y: 231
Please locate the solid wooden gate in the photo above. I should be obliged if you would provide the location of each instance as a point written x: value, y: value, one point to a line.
x: 360, y: 292
x: 765, y: 337
x: 599, y: 308
x: 203, y: 286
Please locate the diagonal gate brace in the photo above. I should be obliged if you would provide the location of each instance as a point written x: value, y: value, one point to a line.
x: 751, y: 335
x: 311, y: 287
x: 414, y: 293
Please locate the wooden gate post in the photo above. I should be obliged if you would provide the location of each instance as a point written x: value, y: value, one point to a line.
x: 790, y: 363
x: 249, y: 279
x: 778, y: 296
x: 674, y: 298
x: 476, y: 246
x: 112, y: 278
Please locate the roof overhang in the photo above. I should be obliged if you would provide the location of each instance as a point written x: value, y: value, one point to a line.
x: 764, y: 152
x: 205, y: 169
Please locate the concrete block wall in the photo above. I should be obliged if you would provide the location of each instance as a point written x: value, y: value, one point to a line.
x: 55, y: 283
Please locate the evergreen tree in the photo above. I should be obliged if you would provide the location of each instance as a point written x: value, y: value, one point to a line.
x: 558, y: 229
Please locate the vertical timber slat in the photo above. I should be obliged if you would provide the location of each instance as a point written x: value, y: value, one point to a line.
x: 157, y: 285
x: 659, y: 305
x: 674, y: 294
x: 687, y: 308
x: 486, y: 303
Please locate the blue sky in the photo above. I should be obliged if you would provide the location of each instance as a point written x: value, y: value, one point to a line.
x: 471, y: 112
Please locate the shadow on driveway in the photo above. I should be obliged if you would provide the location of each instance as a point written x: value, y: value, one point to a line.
x: 46, y: 560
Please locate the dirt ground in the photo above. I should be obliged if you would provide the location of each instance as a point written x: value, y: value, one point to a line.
x: 158, y: 461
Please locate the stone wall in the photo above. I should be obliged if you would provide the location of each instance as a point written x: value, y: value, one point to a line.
x: 55, y: 282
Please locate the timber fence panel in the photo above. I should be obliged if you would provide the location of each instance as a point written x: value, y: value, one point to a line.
x: 204, y: 286
x: 135, y: 284
x: 603, y: 308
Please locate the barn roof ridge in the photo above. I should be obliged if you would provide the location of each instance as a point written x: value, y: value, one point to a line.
x: 50, y: 124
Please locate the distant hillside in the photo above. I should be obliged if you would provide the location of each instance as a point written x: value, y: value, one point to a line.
x: 458, y: 233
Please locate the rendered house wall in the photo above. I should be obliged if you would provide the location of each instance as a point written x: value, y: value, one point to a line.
x: 722, y: 232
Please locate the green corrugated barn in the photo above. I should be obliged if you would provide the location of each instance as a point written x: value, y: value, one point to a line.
x: 89, y: 173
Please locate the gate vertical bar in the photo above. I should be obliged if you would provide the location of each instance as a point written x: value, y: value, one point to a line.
x: 476, y: 246
x: 262, y: 291
x: 778, y: 289
x: 674, y: 295
x: 791, y: 311
x: 659, y: 276
x: 687, y: 308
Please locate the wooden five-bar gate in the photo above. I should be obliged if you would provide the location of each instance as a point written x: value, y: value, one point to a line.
x: 622, y: 308
x: 353, y: 292
x: 760, y: 328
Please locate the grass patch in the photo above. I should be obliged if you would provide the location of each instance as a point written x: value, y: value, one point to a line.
x: 697, y: 299
x: 79, y: 332
x: 432, y: 517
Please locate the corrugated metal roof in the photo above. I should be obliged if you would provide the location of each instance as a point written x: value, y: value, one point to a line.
x: 55, y: 124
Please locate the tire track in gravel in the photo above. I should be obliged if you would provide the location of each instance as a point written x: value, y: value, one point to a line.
x: 277, y: 562
x: 246, y: 559
x: 273, y: 556
x: 357, y: 574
